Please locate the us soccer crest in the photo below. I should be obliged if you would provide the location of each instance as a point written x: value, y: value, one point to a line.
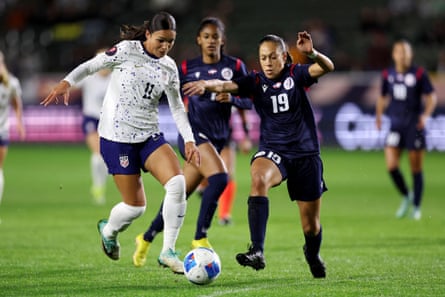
x: 123, y: 160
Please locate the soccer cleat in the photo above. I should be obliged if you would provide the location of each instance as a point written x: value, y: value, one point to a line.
x: 140, y: 254
x: 404, y: 206
x: 316, y: 265
x: 203, y: 242
x: 98, y: 194
x: 111, y: 247
x: 253, y: 258
x: 417, y: 214
x: 170, y: 259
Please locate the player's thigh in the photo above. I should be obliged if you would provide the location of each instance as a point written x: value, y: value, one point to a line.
x: 416, y: 160
x: 392, y: 157
x: 211, y: 161
x: 3, y: 153
x: 92, y: 141
x: 163, y: 163
x: 228, y: 154
x: 264, y: 175
x: 131, y: 188
x: 193, y: 177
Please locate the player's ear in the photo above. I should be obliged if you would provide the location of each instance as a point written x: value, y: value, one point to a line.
x: 147, y: 34
x: 198, y: 40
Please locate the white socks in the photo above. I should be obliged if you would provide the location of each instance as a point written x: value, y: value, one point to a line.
x: 173, y: 210
x: 99, y: 171
x: 120, y: 218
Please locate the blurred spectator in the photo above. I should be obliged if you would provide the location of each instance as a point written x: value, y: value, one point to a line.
x: 378, y: 52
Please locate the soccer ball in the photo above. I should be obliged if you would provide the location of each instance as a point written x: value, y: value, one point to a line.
x: 202, y: 266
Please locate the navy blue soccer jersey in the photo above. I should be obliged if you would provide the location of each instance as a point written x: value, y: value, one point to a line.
x: 287, y: 120
x: 207, y: 116
x: 405, y: 91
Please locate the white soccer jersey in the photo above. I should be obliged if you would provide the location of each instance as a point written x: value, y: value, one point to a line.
x: 6, y: 94
x: 93, y: 88
x: 130, y: 109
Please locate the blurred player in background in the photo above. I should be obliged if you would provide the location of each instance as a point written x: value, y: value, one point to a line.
x: 130, y: 139
x: 403, y: 88
x: 228, y: 154
x: 10, y: 95
x: 94, y: 88
x: 288, y: 148
x: 209, y: 116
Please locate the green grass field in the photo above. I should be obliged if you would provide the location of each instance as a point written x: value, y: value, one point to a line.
x: 49, y: 245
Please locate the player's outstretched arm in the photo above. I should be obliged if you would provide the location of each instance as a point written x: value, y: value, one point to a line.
x: 214, y: 85
x: 61, y: 89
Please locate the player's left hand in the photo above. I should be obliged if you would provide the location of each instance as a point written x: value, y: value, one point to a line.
x: 304, y: 42
x: 62, y: 89
x: 194, y: 88
x: 192, y: 153
x: 223, y: 97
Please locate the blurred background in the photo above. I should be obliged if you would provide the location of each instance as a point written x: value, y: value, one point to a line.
x: 42, y: 40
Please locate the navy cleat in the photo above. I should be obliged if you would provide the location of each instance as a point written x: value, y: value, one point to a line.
x: 253, y: 258
x: 316, y: 265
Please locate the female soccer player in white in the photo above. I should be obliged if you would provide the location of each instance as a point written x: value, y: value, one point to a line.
x: 10, y: 94
x: 129, y: 129
x: 94, y: 88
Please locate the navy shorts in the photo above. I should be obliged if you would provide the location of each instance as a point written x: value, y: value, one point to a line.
x: 89, y: 125
x: 4, y: 141
x: 304, y: 175
x: 129, y: 158
x: 200, y: 138
x: 410, y: 138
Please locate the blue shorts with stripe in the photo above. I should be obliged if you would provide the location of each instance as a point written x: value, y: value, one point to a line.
x: 200, y: 138
x: 304, y: 175
x: 129, y: 158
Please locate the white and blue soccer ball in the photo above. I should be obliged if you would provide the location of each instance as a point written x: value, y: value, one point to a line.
x: 202, y: 266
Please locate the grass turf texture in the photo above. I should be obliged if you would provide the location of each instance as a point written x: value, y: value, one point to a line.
x: 49, y: 245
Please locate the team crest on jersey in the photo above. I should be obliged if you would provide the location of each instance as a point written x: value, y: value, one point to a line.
x: 227, y: 73
x: 212, y: 71
x: 123, y: 160
x: 197, y: 74
x: 264, y: 88
x: 410, y: 79
x: 277, y: 85
x: 112, y: 51
x: 288, y: 83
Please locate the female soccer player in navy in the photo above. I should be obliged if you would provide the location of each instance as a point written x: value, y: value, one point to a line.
x: 130, y: 139
x: 288, y: 148
x: 403, y: 88
x: 209, y: 116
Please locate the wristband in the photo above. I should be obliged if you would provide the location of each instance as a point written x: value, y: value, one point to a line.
x: 313, y: 55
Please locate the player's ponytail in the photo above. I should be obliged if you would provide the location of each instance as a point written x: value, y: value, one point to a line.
x: 160, y: 21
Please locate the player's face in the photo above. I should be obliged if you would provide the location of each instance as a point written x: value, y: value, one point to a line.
x: 402, y: 55
x: 210, y: 39
x: 159, y: 43
x: 272, y: 59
